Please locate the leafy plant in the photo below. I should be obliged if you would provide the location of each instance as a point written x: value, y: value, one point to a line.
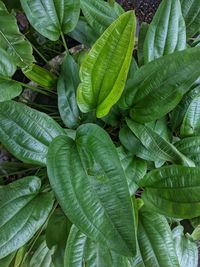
x: 107, y: 172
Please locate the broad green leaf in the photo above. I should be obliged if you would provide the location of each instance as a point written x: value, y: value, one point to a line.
x: 166, y: 33
x: 186, y: 249
x: 66, y: 88
x: 81, y: 251
x: 26, y: 132
x: 191, y: 121
x: 53, y: 17
x: 90, y: 185
x: 5, y: 262
x: 173, y: 191
x: 190, y: 147
x: 156, y: 247
x: 83, y: 33
x: 23, y: 210
x: 141, y: 38
x: 134, y: 169
x: 57, y: 231
x: 191, y: 14
x: 12, y: 41
x: 100, y: 14
x: 157, y: 145
x: 170, y: 76
x: 20, y: 256
x: 42, y: 257
x: 104, y: 70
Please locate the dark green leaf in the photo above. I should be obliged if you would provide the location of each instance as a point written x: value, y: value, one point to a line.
x: 26, y: 132
x: 104, y: 70
x: 67, y: 86
x: 90, y: 185
x: 50, y: 18
x: 173, y: 191
x: 23, y: 210
x: 166, y: 33
x: 170, y: 76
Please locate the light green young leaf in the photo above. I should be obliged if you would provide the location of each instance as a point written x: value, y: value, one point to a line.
x: 26, y: 132
x: 23, y: 210
x: 53, y: 17
x: 12, y: 41
x: 170, y: 76
x: 104, y: 70
x: 166, y: 33
x: 173, y: 191
x: 90, y: 185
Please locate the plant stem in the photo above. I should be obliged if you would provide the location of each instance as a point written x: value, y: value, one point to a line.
x: 64, y: 42
x: 40, y: 54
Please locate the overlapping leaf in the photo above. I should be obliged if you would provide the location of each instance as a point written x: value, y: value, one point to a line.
x: 160, y: 85
x: 173, y: 191
x: 23, y: 210
x: 52, y: 17
x: 26, y: 132
x: 104, y: 70
x: 90, y: 185
x: 166, y: 33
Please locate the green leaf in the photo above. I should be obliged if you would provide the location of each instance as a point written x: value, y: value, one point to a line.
x: 186, y: 249
x: 12, y: 41
x: 173, y: 191
x: 66, y: 88
x: 191, y: 14
x: 141, y: 38
x: 155, y: 242
x: 100, y: 14
x: 104, y: 70
x: 191, y: 148
x: 157, y: 145
x: 81, y: 250
x: 26, y: 132
x: 90, y: 185
x: 23, y: 210
x: 166, y: 33
x: 170, y: 76
x: 5, y: 262
x: 51, y: 18
x: 42, y: 257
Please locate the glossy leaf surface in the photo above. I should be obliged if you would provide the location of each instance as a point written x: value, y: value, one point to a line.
x: 170, y: 77
x: 23, y: 210
x: 81, y: 250
x: 90, y: 185
x: 12, y: 41
x: 52, y: 17
x: 191, y: 14
x: 157, y: 145
x: 104, y: 70
x: 173, y: 191
x: 26, y: 132
x: 186, y: 249
x: 66, y: 88
x: 166, y: 33
x: 156, y: 247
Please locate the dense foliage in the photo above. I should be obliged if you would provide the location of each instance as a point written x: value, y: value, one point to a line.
x: 107, y: 152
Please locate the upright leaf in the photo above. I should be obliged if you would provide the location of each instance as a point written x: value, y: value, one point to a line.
x: 26, y: 132
x: 23, y: 210
x: 67, y: 86
x: 156, y: 247
x: 12, y: 40
x: 191, y: 14
x: 186, y: 249
x: 53, y: 17
x: 104, y: 70
x: 166, y: 33
x: 157, y: 145
x: 170, y: 76
x: 173, y: 191
x: 81, y: 250
x: 90, y: 185
x: 100, y: 14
